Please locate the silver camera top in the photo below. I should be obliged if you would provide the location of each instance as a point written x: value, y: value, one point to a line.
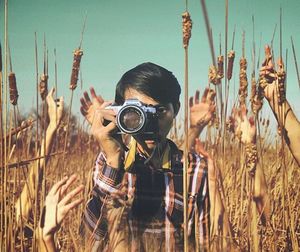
x: 135, y: 103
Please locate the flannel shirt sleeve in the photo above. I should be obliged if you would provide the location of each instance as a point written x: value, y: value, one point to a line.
x: 106, y: 180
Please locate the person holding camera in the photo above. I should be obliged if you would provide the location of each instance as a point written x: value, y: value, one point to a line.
x: 137, y: 200
x: 136, y: 203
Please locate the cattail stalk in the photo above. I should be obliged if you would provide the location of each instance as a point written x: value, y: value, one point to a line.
x: 186, y: 28
x: 6, y: 218
x: 73, y: 84
x: 295, y: 60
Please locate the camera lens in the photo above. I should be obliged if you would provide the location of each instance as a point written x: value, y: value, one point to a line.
x: 131, y: 119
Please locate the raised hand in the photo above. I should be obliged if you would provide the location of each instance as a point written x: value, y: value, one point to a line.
x: 270, y: 78
x: 202, y: 111
x: 244, y: 127
x: 90, y: 106
x: 58, y: 204
x: 55, y: 108
x: 103, y: 126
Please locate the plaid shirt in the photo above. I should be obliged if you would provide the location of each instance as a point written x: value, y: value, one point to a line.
x: 150, y: 216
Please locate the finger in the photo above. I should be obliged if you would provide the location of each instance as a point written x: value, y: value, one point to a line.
x: 212, y: 108
x: 191, y: 102
x: 73, y: 204
x: 93, y: 93
x: 204, y: 96
x: 111, y: 118
x: 268, y: 54
x: 83, y: 111
x: 111, y: 127
x: 50, y: 95
x: 106, y: 104
x: 197, y: 95
x: 280, y: 63
x: 87, y: 98
x: 71, y: 195
x: 100, y: 116
x: 58, y: 185
x: 210, y: 96
x: 51, y: 92
x: 104, y: 113
x: 99, y: 98
x: 84, y: 104
x: 68, y: 183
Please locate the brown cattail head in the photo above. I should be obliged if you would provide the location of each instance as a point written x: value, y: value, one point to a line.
x: 213, y: 75
x: 186, y: 28
x: 13, y: 91
x: 243, y: 92
x: 221, y: 66
x: 231, y: 56
x: 251, y: 158
x: 43, y: 86
x: 75, y: 69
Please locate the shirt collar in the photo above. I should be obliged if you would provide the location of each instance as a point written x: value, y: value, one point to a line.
x: 130, y: 156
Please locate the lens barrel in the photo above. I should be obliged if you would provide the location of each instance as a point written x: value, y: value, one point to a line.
x: 131, y: 119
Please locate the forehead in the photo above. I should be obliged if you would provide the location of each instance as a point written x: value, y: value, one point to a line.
x: 131, y: 93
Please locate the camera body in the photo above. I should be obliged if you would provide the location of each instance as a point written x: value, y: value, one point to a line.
x: 134, y: 117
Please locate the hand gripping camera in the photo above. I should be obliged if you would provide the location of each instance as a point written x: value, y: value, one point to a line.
x: 134, y: 117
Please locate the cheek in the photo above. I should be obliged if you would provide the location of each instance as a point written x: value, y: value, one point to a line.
x: 165, y: 124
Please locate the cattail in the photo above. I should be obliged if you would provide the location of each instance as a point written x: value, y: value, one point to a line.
x: 213, y: 75
x: 251, y: 158
x: 186, y: 28
x: 221, y: 66
x: 75, y: 69
x: 243, y: 81
x: 256, y: 100
x: 43, y: 86
x: 231, y: 56
x: 13, y: 91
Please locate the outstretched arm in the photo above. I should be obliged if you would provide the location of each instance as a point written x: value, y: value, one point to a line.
x: 245, y: 129
x: 201, y: 113
x: 24, y: 202
x: 270, y: 83
x: 57, y: 206
x: 219, y: 220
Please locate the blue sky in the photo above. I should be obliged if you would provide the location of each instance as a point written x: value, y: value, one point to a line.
x: 121, y: 34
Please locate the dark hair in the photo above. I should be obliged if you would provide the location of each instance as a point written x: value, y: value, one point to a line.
x: 151, y: 80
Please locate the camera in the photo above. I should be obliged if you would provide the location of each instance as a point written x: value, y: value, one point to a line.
x: 134, y: 117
